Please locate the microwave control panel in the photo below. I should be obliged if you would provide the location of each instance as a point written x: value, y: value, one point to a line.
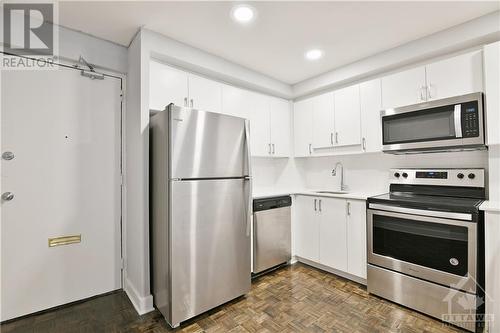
x: 470, y: 120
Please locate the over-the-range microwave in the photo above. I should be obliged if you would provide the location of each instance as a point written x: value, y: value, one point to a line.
x: 450, y: 124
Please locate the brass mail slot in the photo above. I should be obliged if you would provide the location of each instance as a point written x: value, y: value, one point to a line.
x: 65, y: 240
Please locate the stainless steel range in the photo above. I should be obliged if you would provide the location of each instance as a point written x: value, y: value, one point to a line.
x: 426, y: 243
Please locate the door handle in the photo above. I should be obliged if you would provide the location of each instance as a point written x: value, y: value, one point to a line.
x: 363, y: 143
x: 315, y: 208
x: 249, y: 206
x: 348, y: 208
x: 192, y: 103
x: 310, y: 151
x: 320, y: 205
x: 7, y: 196
x: 269, y: 150
x: 331, y: 138
x: 336, y: 137
x: 273, y: 149
x: 185, y: 101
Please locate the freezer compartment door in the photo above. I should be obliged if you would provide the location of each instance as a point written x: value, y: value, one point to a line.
x: 210, y: 258
x: 207, y: 145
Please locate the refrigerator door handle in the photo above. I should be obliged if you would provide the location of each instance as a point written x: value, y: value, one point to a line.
x: 247, y: 143
x: 249, y: 204
x: 249, y: 177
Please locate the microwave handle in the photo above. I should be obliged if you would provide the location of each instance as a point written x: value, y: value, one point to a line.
x: 457, y: 115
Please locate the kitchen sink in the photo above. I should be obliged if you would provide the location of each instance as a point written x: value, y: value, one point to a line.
x: 332, y: 192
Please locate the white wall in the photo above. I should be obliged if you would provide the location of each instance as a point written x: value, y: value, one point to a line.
x: 136, y: 221
x: 367, y: 173
x: 102, y: 53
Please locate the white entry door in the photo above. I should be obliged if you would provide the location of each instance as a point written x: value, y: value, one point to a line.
x: 63, y: 131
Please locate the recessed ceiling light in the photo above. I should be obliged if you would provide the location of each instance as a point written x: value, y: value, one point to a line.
x: 243, y: 14
x: 314, y: 54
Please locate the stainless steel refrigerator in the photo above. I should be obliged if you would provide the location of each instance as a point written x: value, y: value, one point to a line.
x: 201, y: 205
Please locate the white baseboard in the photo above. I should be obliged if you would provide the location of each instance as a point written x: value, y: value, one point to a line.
x: 331, y: 270
x: 142, y: 304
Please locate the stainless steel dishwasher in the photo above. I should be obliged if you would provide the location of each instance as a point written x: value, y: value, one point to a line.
x: 272, y: 234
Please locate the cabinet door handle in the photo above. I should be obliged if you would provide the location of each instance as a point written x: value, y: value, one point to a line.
x: 315, y: 208
x: 320, y: 205
x: 185, y: 101
x: 336, y: 137
x: 310, y: 151
x: 348, y: 208
x: 331, y: 138
x: 192, y: 102
x: 269, y: 148
x: 363, y: 142
x: 273, y: 149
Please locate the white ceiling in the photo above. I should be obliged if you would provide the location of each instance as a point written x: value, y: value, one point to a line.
x: 274, y: 44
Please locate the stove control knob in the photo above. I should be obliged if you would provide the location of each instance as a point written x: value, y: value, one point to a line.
x: 460, y: 176
x: 405, y: 175
x: 397, y: 175
x: 471, y: 176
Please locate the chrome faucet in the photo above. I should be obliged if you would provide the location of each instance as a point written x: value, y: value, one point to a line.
x: 334, y: 173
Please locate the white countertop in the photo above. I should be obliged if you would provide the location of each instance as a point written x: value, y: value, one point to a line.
x: 490, y: 206
x: 260, y: 194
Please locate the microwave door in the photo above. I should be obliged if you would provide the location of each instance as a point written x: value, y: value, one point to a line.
x: 443, y: 125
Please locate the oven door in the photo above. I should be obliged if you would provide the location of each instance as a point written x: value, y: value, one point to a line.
x: 447, y: 123
x: 434, y: 249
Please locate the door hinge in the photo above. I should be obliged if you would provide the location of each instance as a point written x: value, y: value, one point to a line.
x: 122, y: 263
x: 122, y: 95
x: 122, y: 180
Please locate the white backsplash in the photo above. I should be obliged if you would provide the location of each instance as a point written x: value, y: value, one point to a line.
x: 362, y: 173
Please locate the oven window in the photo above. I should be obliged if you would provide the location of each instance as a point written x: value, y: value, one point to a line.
x: 438, y: 246
x: 419, y: 126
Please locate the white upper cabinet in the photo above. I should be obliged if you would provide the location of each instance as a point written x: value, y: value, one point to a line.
x: 404, y: 88
x: 455, y: 76
x: 371, y: 105
x: 236, y: 101
x: 166, y: 85
x: 280, y: 127
x: 332, y: 235
x: 260, y: 125
x: 347, y: 117
x: 449, y: 77
x: 303, y: 127
x: 205, y: 94
x: 356, y: 238
x: 492, y: 92
x: 323, y: 120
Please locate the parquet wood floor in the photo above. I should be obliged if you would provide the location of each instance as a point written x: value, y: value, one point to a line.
x: 297, y: 298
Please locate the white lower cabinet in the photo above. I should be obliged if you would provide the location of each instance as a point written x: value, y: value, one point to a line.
x: 356, y: 238
x: 306, y: 227
x: 331, y: 232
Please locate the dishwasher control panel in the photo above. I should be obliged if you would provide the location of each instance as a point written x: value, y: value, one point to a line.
x: 271, y: 203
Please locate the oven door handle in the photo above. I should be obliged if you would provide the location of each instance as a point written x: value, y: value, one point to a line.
x: 422, y: 212
x: 457, y: 117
